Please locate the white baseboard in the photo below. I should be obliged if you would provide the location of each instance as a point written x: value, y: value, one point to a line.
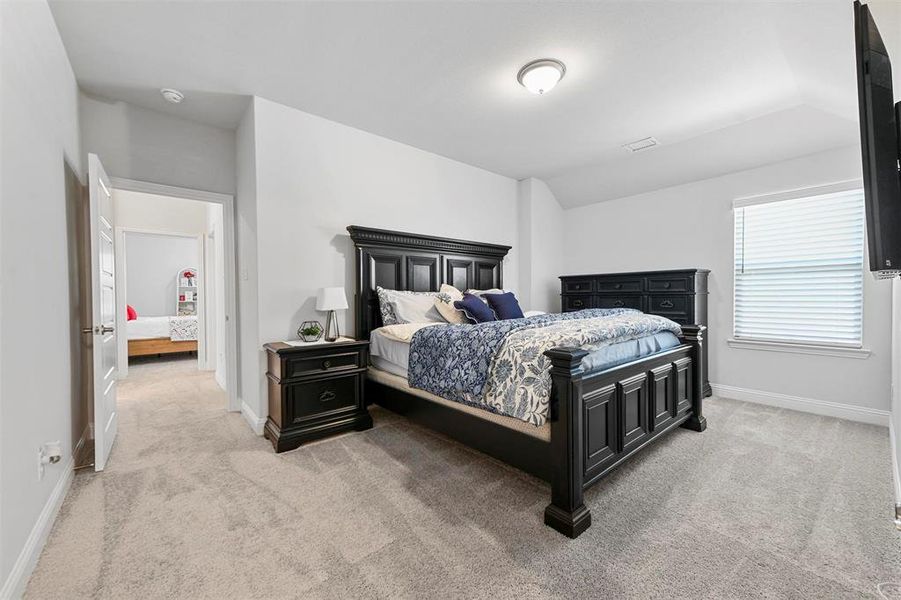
x: 256, y: 423
x: 14, y: 586
x: 850, y: 412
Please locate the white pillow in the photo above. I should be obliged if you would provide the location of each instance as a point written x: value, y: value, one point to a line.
x: 481, y: 293
x: 408, y: 307
x: 444, y: 303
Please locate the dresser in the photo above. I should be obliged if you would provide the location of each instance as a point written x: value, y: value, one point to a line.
x: 680, y: 295
x: 315, y: 390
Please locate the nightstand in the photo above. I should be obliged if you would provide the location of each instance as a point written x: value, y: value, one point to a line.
x: 315, y: 390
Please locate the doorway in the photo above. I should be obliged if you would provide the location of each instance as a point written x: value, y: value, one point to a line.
x: 197, y: 294
x: 175, y: 275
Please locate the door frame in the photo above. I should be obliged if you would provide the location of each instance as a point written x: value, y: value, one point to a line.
x: 231, y: 290
x: 122, y: 280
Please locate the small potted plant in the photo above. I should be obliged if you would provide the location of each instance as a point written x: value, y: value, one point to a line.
x: 310, y: 331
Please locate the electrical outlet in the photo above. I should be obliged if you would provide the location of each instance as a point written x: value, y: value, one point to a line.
x: 48, y: 454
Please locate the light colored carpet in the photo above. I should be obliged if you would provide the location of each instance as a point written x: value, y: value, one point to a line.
x: 766, y: 504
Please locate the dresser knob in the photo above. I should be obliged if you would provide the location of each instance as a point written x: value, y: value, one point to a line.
x: 667, y: 285
x: 326, y: 364
x: 578, y: 303
x: 618, y: 303
x: 327, y: 396
x: 618, y: 286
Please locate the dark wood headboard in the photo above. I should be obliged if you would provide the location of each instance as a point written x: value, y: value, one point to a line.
x: 420, y: 263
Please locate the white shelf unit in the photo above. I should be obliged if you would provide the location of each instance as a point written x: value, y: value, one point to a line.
x: 186, y: 292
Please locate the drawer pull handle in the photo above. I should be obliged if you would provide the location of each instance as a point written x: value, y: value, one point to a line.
x: 667, y: 285
x: 618, y: 286
x: 666, y: 304
x: 577, y: 303
x: 326, y: 364
x: 327, y: 396
x: 619, y: 303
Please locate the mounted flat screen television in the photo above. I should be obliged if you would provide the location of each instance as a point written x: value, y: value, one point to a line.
x: 879, y: 142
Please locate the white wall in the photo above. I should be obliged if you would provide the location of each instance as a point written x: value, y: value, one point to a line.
x: 151, y: 264
x: 691, y: 226
x: 38, y: 131
x: 251, y: 365
x: 139, y: 210
x: 540, y: 239
x: 142, y: 144
x: 315, y: 177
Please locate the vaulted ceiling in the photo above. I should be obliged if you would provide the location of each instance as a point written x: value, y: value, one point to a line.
x: 723, y: 86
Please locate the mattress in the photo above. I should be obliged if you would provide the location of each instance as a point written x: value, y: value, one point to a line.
x: 145, y: 328
x: 174, y: 328
x: 393, y: 356
x: 400, y: 383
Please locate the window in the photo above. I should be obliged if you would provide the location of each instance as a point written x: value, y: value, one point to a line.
x: 799, y: 270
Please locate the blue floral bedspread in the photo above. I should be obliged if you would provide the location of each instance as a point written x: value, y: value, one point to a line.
x: 500, y: 366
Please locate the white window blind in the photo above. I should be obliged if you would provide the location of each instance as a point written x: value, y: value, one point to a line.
x: 799, y: 270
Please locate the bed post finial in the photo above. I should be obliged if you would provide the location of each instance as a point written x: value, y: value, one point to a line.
x: 694, y: 335
x: 567, y: 512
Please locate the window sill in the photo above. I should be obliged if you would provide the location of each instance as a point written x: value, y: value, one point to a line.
x: 839, y: 351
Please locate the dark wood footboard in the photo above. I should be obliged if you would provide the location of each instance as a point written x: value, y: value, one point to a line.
x: 600, y: 419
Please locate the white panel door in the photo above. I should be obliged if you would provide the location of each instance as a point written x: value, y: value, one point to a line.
x: 103, y: 283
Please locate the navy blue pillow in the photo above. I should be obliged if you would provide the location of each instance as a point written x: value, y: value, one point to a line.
x: 475, y: 310
x: 505, y: 305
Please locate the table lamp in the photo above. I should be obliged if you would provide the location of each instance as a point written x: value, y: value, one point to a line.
x: 331, y: 299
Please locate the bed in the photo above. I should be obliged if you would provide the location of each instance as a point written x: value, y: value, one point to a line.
x: 602, y: 408
x: 161, y: 335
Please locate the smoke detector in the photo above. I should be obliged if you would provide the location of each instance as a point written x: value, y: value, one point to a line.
x: 173, y: 96
x: 643, y: 144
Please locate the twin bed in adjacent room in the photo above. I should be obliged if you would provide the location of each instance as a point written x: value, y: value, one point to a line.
x: 566, y: 397
x: 149, y: 336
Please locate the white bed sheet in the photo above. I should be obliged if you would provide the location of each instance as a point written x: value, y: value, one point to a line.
x: 389, y: 354
x: 145, y: 328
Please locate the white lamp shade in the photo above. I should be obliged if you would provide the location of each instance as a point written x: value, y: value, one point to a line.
x: 331, y: 298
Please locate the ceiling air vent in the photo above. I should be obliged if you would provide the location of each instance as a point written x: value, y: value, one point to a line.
x: 639, y: 145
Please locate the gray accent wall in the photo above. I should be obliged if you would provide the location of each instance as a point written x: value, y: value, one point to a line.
x: 151, y: 264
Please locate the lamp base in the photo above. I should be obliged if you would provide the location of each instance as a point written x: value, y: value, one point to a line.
x: 329, y: 321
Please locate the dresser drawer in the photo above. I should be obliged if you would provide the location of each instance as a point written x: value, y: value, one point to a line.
x: 577, y: 286
x: 577, y: 302
x: 673, y: 307
x: 620, y: 285
x: 325, y: 362
x: 618, y: 302
x: 322, y: 397
x: 669, y: 283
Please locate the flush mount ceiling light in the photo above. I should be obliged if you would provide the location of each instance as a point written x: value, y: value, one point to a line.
x: 540, y: 76
x: 173, y: 96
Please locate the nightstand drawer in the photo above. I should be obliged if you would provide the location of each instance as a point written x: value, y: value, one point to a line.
x: 324, y: 362
x: 319, y: 398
